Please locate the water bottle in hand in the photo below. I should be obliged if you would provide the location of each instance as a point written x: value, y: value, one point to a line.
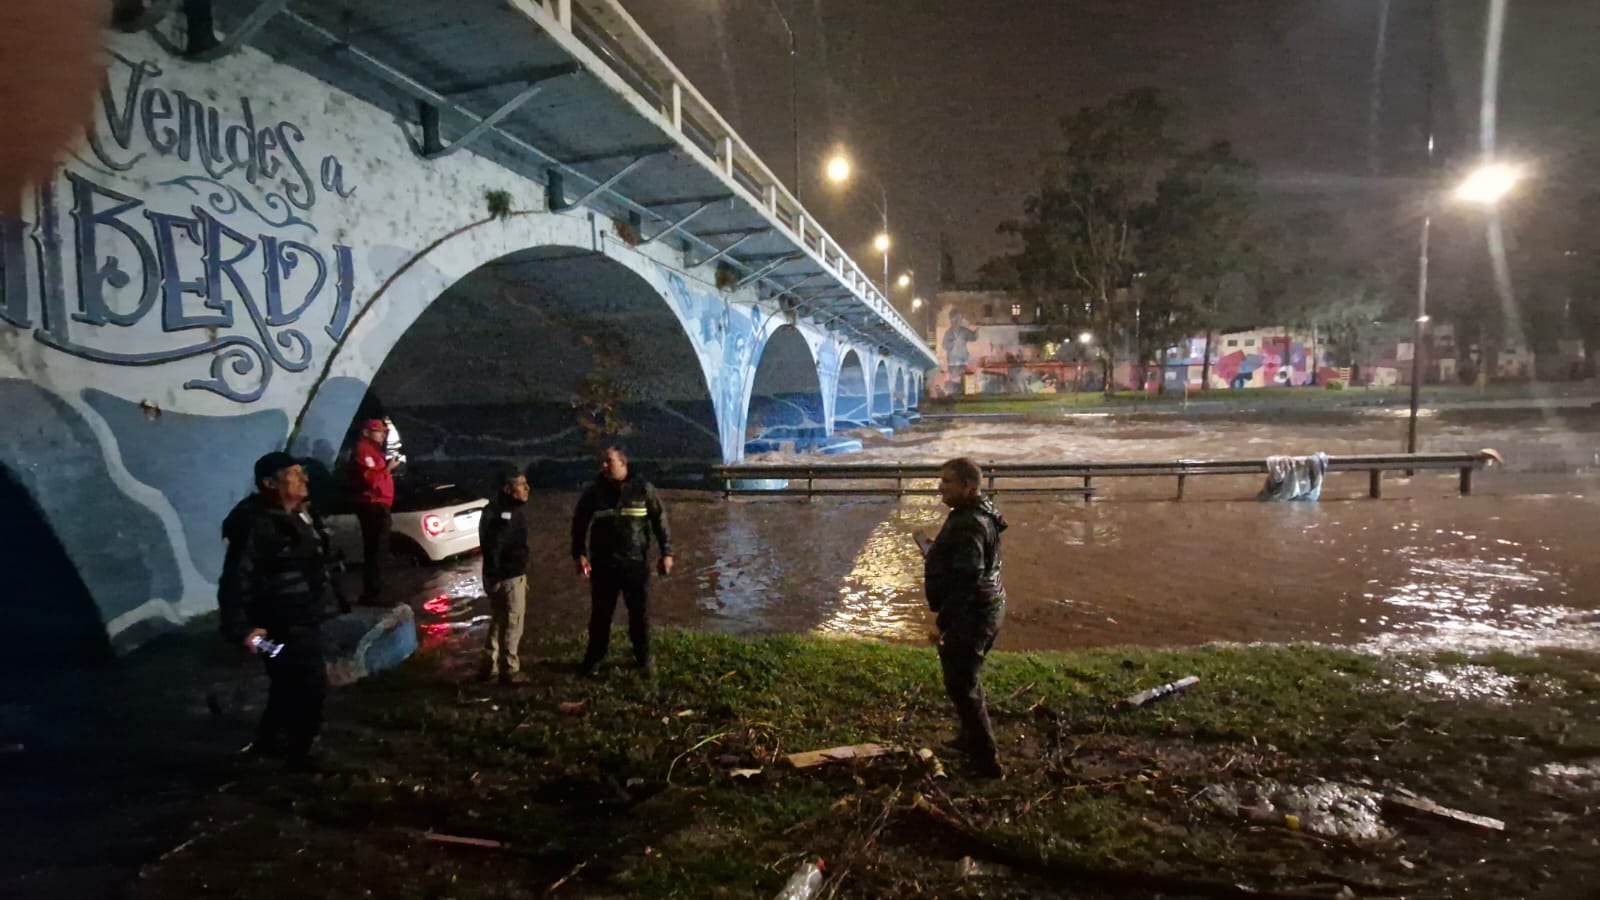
x: 262, y: 645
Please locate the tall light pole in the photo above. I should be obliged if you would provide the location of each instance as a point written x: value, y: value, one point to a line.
x: 794, y: 92
x: 1422, y: 255
x: 840, y: 171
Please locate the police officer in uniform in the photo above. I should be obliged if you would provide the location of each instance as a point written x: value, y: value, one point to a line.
x: 962, y: 577
x: 275, y: 586
x: 611, y: 532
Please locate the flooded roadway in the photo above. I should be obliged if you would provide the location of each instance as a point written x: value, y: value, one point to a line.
x: 1513, y: 566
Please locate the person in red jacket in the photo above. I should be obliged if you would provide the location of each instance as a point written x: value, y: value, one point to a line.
x: 372, y: 486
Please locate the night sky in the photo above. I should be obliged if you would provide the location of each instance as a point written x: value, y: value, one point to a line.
x: 952, y: 103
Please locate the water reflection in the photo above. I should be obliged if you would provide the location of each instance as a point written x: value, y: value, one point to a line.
x: 881, y: 595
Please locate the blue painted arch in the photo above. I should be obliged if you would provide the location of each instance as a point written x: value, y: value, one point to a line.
x: 882, y: 391
x: 853, y: 406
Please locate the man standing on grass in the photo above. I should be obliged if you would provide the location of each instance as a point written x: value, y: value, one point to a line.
x: 961, y: 572
x: 372, y: 485
x: 274, y: 586
x: 611, y: 532
x: 503, y: 536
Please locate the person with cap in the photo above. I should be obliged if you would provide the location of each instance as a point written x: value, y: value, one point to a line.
x: 611, y: 532
x: 503, y: 537
x: 274, y: 588
x: 961, y: 574
x: 372, y: 486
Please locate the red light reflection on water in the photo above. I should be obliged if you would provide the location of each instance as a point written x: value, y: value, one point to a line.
x: 438, y: 605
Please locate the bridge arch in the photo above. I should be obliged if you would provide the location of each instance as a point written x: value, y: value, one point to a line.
x: 853, y: 406
x: 882, y: 387
x: 542, y: 312
x: 786, y: 397
x: 900, y: 401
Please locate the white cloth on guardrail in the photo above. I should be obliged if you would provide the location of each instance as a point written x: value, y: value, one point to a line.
x: 1294, y: 477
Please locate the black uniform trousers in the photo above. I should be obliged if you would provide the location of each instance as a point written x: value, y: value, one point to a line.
x: 375, y: 527
x: 298, y: 683
x: 605, y: 583
x: 968, y: 634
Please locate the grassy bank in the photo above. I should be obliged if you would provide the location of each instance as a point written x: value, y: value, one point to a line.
x: 628, y: 789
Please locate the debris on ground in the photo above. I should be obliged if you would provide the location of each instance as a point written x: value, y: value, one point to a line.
x: 744, y: 773
x: 571, y: 707
x: 1156, y: 693
x: 1565, y: 779
x: 1409, y: 807
x: 466, y: 841
x: 804, y: 883
x: 1326, y: 808
x: 811, y: 758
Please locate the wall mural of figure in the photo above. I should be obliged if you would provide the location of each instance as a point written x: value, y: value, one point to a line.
x: 954, y: 340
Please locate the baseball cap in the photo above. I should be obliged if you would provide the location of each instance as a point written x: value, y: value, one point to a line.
x: 374, y: 425
x: 270, y: 465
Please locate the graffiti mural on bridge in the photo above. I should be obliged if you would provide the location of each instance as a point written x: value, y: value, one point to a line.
x: 232, y: 279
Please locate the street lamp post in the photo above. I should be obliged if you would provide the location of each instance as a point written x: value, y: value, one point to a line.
x: 840, y: 171
x: 794, y: 92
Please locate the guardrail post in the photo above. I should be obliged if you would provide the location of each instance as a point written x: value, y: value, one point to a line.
x: 725, y: 152
x: 1466, y: 481
x: 677, y: 107
x: 811, y: 490
x: 1375, y: 484
x: 563, y: 12
x: 1181, y: 479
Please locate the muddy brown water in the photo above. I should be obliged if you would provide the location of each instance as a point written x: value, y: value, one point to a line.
x: 1512, y: 566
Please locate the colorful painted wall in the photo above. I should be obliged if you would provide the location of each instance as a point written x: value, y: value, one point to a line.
x: 221, y: 269
x: 1263, y: 357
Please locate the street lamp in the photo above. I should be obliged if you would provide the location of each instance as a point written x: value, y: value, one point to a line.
x: 794, y: 92
x: 1489, y: 184
x: 905, y: 279
x: 1484, y: 186
x: 840, y: 171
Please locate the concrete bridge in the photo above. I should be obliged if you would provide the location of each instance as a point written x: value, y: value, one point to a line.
x: 477, y: 215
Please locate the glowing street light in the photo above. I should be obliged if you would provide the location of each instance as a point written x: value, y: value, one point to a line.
x: 905, y: 279
x: 1086, y: 338
x: 881, y: 243
x: 916, y: 303
x: 839, y: 169
x: 1488, y: 185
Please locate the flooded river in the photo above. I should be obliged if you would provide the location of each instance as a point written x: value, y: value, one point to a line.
x: 1512, y: 566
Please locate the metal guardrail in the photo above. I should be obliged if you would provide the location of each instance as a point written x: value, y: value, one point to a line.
x: 870, y: 473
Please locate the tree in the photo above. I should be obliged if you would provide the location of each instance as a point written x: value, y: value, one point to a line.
x: 1079, y: 232
x: 1194, y: 243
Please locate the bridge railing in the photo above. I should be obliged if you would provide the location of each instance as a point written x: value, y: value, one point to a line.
x: 875, y: 478
x: 612, y: 34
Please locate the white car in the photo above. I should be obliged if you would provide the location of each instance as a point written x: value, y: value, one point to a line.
x: 432, y: 522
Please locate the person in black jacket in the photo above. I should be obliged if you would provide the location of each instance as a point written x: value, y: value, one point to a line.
x: 503, y: 535
x: 275, y: 586
x: 611, y: 532
x: 961, y: 575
